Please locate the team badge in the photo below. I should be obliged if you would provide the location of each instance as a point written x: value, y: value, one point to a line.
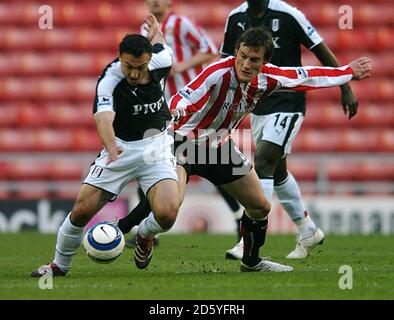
x: 275, y: 25
x: 97, y: 171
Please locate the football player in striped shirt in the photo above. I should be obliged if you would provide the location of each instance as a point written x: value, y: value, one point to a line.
x: 277, y: 120
x: 208, y: 108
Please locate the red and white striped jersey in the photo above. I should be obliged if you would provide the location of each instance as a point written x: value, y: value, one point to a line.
x: 215, y: 102
x: 185, y: 39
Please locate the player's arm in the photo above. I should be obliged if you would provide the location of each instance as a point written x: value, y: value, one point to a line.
x: 228, y: 45
x: 198, y: 59
x: 103, y: 109
x: 195, y: 38
x: 311, y: 39
x: 310, y: 78
x: 152, y: 29
x: 327, y: 58
x: 104, y: 122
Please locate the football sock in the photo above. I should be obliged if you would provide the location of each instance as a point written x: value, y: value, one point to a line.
x: 140, y: 212
x: 306, y: 227
x: 149, y: 226
x: 268, y: 186
x: 253, y: 233
x: 69, y: 238
x: 289, y: 196
x: 238, y: 222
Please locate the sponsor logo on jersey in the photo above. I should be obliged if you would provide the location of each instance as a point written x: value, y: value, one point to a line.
x: 275, y: 25
x: 301, y: 73
x: 241, y: 25
x: 148, y: 107
x: 104, y: 101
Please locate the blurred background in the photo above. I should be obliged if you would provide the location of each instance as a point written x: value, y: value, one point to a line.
x: 48, y: 137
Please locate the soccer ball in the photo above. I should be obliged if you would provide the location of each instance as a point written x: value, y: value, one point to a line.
x: 103, y: 242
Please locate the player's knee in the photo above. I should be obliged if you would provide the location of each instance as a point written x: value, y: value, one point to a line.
x: 265, y: 165
x: 166, y: 214
x: 259, y: 211
x: 81, y: 214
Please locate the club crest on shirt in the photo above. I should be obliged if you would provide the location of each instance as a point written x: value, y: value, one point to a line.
x: 275, y: 25
x: 96, y: 172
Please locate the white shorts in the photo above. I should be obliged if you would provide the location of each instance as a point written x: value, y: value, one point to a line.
x: 148, y: 161
x: 279, y: 128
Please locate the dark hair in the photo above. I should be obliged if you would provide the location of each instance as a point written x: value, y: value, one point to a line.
x: 136, y: 45
x: 257, y: 38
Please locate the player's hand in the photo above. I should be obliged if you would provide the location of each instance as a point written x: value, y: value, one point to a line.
x: 177, y: 68
x: 178, y: 114
x: 349, y: 102
x: 151, y: 26
x: 361, y: 68
x: 113, y: 154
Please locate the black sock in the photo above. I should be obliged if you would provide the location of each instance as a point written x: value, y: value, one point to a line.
x: 238, y: 222
x: 139, y: 213
x: 253, y: 233
x: 141, y: 194
x: 230, y: 200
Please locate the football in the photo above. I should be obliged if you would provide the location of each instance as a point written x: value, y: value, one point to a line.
x: 103, y: 242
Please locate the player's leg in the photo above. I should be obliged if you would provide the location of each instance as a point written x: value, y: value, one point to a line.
x: 159, y: 181
x: 265, y: 167
x: 289, y: 196
x: 274, y: 135
x: 248, y: 191
x: 69, y: 237
x: 143, y: 209
x: 235, y: 208
x: 164, y: 201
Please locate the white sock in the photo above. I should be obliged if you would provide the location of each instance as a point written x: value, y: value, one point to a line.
x: 289, y: 196
x: 238, y: 214
x: 69, y: 238
x: 149, y: 226
x: 306, y: 227
x: 268, y: 186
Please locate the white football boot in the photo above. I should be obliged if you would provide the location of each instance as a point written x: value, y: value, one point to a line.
x: 266, y: 266
x: 237, y: 252
x: 305, y: 245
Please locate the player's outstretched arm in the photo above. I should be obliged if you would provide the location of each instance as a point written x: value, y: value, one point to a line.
x: 362, y: 68
x: 152, y: 28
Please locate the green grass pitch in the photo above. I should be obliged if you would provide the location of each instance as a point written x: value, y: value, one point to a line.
x: 193, y: 267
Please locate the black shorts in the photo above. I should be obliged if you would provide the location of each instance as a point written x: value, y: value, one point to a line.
x: 218, y: 165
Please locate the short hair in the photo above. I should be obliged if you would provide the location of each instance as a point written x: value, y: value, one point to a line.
x: 257, y: 38
x: 136, y: 45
